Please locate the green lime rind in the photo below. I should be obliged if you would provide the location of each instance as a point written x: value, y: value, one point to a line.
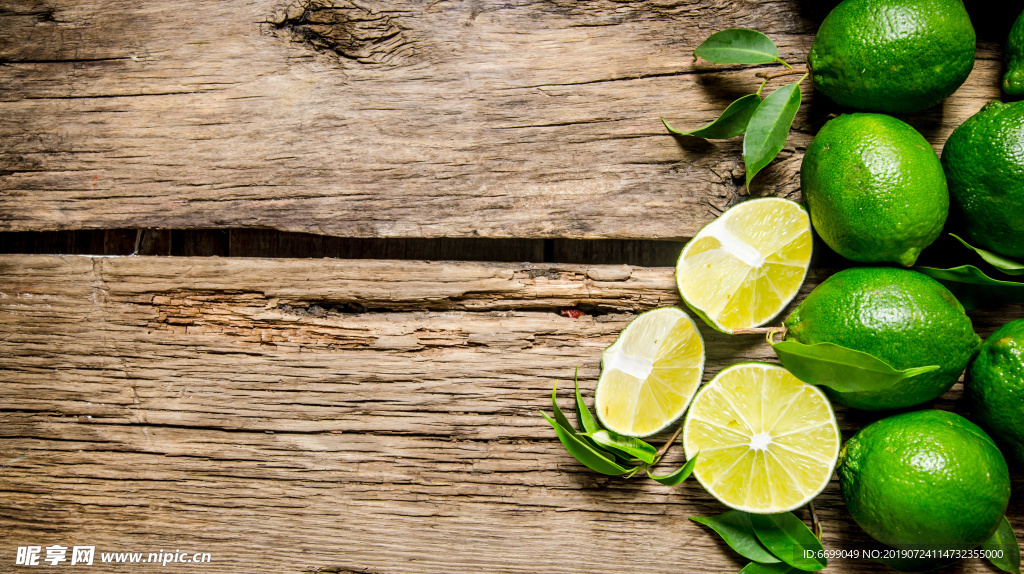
x: 925, y: 479
x: 875, y: 189
x: 899, y: 316
x: 993, y: 385
x: 892, y: 56
x: 974, y: 289
x: 1013, y: 80
x: 985, y: 170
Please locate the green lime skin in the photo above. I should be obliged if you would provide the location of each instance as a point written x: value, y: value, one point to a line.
x: 893, y: 56
x: 925, y: 479
x: 902, y: 317
x: 874, y: 188
x: 994, y: 387
x: 1013, y: 80
x: 984, y: 163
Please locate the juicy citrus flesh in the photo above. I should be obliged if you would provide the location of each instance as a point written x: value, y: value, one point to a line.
x: 768, y: 442
x: 742, y: 269
x: 650, y: 373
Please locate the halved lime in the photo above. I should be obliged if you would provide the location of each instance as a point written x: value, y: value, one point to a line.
x: 649, y: 374
x: 743, y: 268
x: 768, y: 442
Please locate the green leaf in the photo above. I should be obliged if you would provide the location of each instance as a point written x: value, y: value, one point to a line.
x: 1002, y: 548
x: 559, y: 415
x: 731, y: 123
x: 738, y: 46
x: 974, y: 289
x: 678, y: 476
x: 769, y: 127
x: 735, y: 529
x: 583, y: 415
x: 585, y: 453
x: 628, y: 445
x: 787, y: 537
x: 842, y: 369
x: 1008, y: 266
x: 777, y: 568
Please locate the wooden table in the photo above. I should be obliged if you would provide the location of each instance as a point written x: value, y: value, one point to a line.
x: 367, y: 415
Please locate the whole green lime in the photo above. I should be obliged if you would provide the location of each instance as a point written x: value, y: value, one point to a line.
x: 925, y: 479
x: 1013, y: 80
x: 894, y: 56
x: 874, y: 188
x: 995, y: 387
x: 901, y: 317
x: 984, y: 163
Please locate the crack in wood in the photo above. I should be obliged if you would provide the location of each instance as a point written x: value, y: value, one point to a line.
x: 353, y: 32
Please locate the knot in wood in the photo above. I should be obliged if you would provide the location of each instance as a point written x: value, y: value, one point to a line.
x: 351, y: 31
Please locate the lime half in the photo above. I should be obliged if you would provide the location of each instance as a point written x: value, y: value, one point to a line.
x: 768, y: 442
x: 649, y: 374
x: 743, y: 268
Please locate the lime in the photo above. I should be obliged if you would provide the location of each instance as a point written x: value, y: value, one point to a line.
x: 768, y: 442
x: 995, y: 387
x: 901, y: 317
x: 893, y: 56
x: 875, y: 189
x: 984, y: 163
x: 1013, y: 80
x: 925, y: 479
x: 649, y: 374
x: 743, y: 268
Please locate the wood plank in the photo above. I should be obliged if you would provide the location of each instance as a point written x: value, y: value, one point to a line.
x: 339, y: 416
x: 464, y: 118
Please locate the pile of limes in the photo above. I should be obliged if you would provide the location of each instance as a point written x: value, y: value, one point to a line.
x: 876, y: 193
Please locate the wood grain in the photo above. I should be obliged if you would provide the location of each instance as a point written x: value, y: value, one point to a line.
x: 340, y: 416
x: 462, y: 118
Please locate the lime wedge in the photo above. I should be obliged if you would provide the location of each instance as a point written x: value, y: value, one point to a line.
x: 742, y: 269
x: 649, y: 374
x: 768, y: 442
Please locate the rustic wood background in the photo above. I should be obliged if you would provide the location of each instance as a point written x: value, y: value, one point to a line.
x: 328, y: 353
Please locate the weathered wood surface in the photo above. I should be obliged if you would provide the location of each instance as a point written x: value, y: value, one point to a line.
x: 403, y: 118
x: 339, y: 416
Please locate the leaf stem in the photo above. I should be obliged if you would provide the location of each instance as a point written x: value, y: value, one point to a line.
x: 664, y: 448
x: 789, y: 72
x: 784, y: 63
x: 815, y: 524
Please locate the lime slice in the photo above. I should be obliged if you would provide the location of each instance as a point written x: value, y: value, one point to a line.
x: 649, y: 374
x: 743, y: 268
x: 768, y: 441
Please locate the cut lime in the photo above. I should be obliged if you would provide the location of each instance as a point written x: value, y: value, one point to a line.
x: 743, y: 268
x: 768, y: 442
x: 649, y: 374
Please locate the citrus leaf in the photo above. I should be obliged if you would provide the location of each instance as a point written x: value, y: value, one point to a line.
x: 769, y: 127
x: 1008, y: 266
x: 1003, y: 543
x: 559, y: 415
x: 974, y: 289
x: 787, y: 537
x: 583, y: 415
x: 738, y: 46
x: 735, y: 529
x: 678, y: 476
x: 842, y: 369
x: 731, y: 123
x: 583, y: 452
x: 628, y: 445
x: 777, y: 568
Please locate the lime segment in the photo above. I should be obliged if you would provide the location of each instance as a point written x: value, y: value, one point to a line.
x: 650, y: 373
